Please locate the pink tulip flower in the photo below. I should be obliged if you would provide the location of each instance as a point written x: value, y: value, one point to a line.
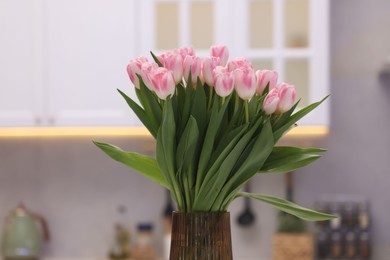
x: 163, y: 82
x: 134, y: 68
x: 240, y: 63
x: 265, y: 77
x: 185, y: 51
x: 245, y: 83
x: 223, y: 81
x: 219, y: 70
x: 271, y: 101
x: 193, y: 64
x: 146, y: 70
x: 221, y: 52
x: 173, y: 62
x: 208, y: 66
x: 287, y: 97
x: 163, y: 56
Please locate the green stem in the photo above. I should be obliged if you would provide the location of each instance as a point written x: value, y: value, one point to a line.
x: 210, y: 97
x: 236, y: 103
x: 223, y: 101
x: 246, y: 111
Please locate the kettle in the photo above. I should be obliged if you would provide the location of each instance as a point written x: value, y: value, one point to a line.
x: 22, y: 239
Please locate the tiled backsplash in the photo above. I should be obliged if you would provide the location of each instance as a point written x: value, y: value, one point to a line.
x: 78, y: 189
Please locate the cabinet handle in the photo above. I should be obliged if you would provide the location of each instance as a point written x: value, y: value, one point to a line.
x: 38, y: 120
x: 51, y: 120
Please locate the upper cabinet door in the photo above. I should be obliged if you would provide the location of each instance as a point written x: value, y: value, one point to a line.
x: 289, y: 36
x: 20, y: 62
x: 87, y: 47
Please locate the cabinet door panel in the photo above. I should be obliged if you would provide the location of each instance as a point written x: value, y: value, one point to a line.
x: 89, y: 45
x: 20, y: 62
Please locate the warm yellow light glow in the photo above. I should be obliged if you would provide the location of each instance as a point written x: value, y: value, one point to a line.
x: 73, y: 131
x: 309, y: 131
x: 301, y: 131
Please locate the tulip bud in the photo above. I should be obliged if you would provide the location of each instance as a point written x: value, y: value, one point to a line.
x: 173, y: 62
x: 245, y: 83
x: 163, y: 82
x: 146, y: 70
x: 287, y: 97
x: 185, y: 51
x: 223, y: 81
x: 271, y: 101
x: 208, y: 66
x: 134, y: 68
x: 265, y: 77
x: 240, y: 63
x: 193, y: 64
x: 221, y: 52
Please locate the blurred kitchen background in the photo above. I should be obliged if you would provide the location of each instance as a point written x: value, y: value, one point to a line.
x: 62, y: 60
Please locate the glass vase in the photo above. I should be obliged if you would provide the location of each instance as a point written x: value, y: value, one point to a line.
x: 201, y: 236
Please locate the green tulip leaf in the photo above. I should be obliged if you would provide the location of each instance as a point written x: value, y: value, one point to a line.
x: 143, y: 164
x: 141, y: 114
x: 295, y: 117
x: 286, y: 159
x: 156, y: 59
x: 288, y: 207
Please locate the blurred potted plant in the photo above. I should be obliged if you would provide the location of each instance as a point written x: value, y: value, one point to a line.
x: 291, y: 241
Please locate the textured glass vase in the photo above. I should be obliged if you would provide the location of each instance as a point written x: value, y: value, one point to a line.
x: 201, y: 236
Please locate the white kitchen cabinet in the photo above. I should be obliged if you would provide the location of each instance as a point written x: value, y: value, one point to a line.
x: 61, y: 61
x: 89, y: 43
x: 289, y: 36
x: 20, y: 63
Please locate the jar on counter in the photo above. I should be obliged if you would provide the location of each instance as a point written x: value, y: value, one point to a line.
x: 144, y: 248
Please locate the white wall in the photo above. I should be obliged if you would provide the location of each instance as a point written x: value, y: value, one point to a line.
x: 358, y: 160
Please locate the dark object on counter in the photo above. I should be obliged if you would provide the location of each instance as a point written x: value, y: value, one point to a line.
x: 384, y: 74
x: 168, y: 209
x: 247, y: 217
x: 201, y: 236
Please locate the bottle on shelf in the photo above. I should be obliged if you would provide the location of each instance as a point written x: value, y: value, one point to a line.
x: 322, y: 206
x: 351, y: 231
x: 336, y: 232
x: 351, y: 244
x: 323, y: 245
x: 120, y: 248
x: 144, y: 248
x: 364, y: 234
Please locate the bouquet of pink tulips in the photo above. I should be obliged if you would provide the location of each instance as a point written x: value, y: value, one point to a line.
x: 216, y: 124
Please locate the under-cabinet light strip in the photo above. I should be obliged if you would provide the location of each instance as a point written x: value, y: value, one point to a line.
x: 301, y: 131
